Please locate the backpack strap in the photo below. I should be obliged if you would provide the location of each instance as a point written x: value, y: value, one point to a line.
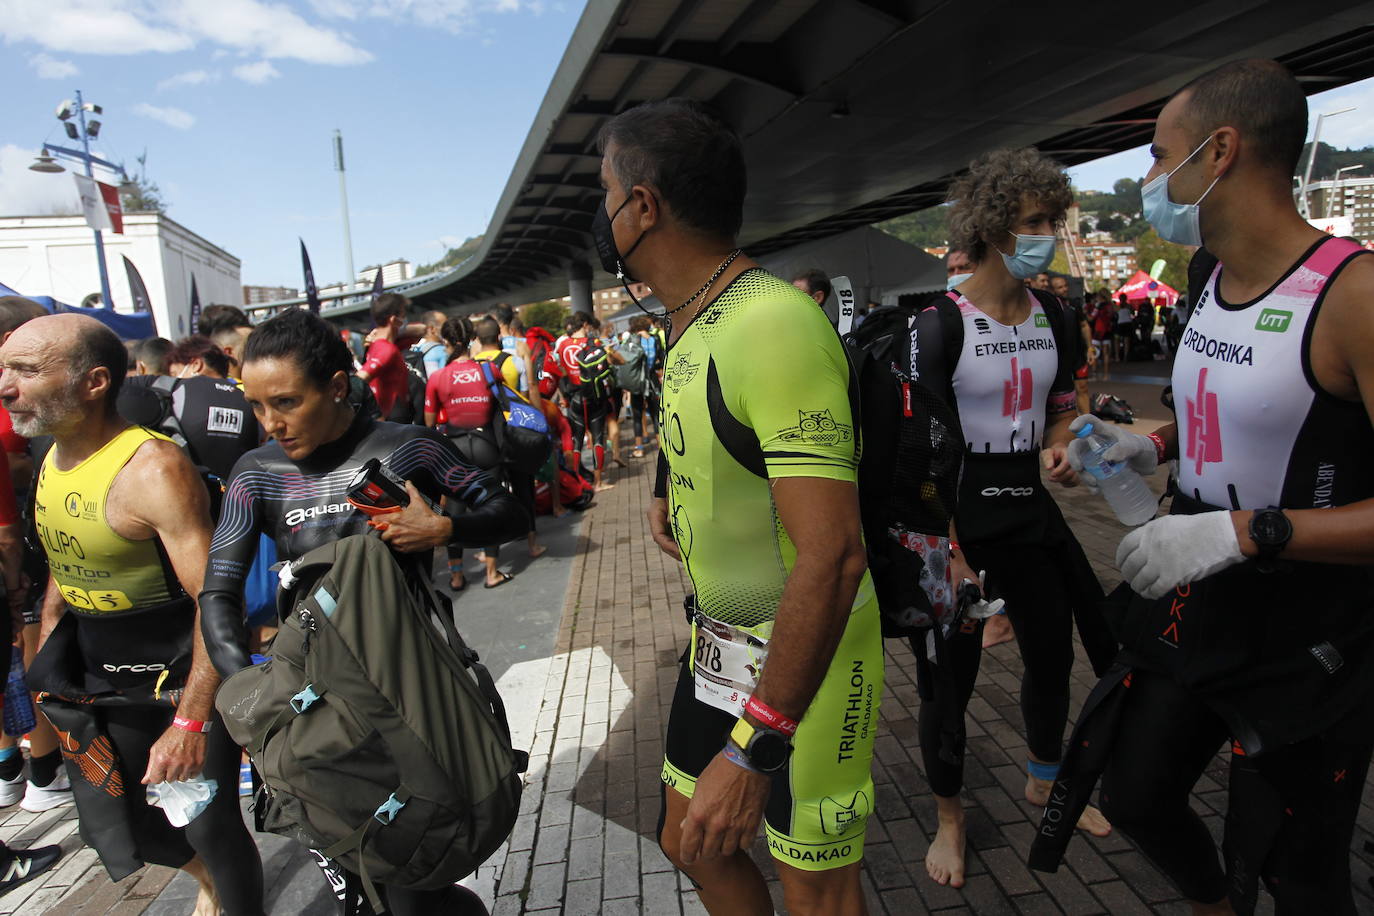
x: 951, y: 330
x: 1061, y: 321
x: 1199, y: 272
x: 171, y: 423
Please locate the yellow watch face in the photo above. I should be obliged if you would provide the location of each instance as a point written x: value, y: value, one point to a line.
x: 741, y: 733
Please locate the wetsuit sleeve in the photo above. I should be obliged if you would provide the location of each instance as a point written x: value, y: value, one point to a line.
x: 494, y: 515
x: 930, y: 364
x: 232, y: 549
x: 796, y: 400
x: 1062, y: 396
x: 661, y: 477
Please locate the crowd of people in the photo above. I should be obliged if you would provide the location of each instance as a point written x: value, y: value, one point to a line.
x: 170, y: 475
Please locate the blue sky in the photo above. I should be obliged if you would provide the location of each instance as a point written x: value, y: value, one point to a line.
x: 236, y: 102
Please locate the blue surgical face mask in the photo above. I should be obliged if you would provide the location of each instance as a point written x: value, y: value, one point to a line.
x: 1034, y: 254
x: 956, y: 279
x: 1177, y: 223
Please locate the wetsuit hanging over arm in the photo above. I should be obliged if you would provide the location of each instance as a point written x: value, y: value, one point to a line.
x: 302, y: 505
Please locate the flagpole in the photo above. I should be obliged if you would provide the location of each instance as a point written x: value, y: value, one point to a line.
x: 106, y: 300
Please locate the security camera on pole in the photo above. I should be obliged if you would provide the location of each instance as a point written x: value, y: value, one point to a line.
x: 99, y: 200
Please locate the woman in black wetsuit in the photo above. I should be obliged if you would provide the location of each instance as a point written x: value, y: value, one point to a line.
x: 1002, y: 355
x: 296, y: 379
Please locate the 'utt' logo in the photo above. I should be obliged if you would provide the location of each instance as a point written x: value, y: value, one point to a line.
x: 1016, y: 391
x: 1204, y: 426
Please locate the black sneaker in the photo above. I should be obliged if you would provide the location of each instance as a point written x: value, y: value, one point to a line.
x: 20, y: 865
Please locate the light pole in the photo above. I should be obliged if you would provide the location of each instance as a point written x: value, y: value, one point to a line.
x: 47, y: 162
x: 343, y: 199
x: 1312, y: 155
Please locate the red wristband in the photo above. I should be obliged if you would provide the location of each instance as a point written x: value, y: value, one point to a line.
x: 770, y: 717
x: 1159, y: 446
x: 191, y: 725
x: 954, y: 545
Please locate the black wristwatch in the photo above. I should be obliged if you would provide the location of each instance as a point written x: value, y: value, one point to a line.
x: 766, y: 748
x: 1271, y: 531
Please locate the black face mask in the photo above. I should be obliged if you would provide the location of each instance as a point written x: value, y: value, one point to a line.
x: 612, y: 261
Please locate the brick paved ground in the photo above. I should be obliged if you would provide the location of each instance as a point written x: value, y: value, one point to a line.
x: 584, y: 841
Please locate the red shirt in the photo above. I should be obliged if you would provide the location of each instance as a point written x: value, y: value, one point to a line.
x: 558, y: 425
x: 386, y: 375
x: 567, y: 351
x: 9, y: 508
x: 460, y: 391
x: 11, y: 441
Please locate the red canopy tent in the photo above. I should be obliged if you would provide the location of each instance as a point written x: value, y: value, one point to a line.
x: 1141, y: 288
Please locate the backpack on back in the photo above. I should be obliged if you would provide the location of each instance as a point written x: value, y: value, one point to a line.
x: 594, y: 365
x: 632, y: 374
x: 909, y: 470
x: 380, y: 739
x: 522, y: 430
x: 411, y: 408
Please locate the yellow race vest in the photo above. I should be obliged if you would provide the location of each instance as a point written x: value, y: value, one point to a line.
x: 97, y: 570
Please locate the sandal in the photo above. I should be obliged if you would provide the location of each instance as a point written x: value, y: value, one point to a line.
x: 505, y: 577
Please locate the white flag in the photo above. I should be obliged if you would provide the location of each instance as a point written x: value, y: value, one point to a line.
x: 92, y: 204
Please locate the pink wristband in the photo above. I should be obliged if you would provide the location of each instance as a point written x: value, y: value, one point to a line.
x: 191, y: 725
x: 770, y: 717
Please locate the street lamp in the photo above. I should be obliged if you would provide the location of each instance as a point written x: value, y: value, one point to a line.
x: 1312, y: 155
x: 47, y: 163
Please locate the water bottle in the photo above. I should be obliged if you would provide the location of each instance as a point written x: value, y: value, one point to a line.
x: 18, y: 717
x: 1126, y: 491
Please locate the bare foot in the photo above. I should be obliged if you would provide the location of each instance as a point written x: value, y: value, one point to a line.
x: 601, y: 487
x: 1096, y: 823
x: 997, y: 630
x: 1091, y: 820
x: 537, y: 551
x: 559, y: 511
x: 945, y: 859
x: 207, y: 901
x: 457, y: 582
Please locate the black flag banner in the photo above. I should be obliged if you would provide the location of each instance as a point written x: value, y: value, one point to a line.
x: 195, y: 306
x: 142, y: 303
x: 376, y: 287
x: 312, y: 293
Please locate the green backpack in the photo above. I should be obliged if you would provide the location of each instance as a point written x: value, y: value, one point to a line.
x: 380, y: 740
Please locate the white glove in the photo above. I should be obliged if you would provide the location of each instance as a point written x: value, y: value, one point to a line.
x: 1136, y: 450
x: 1174, y: 550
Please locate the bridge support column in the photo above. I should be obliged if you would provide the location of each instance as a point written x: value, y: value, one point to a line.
x: 580, y: 287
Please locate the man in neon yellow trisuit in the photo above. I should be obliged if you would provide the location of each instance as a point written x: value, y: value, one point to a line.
x: 777, y: 702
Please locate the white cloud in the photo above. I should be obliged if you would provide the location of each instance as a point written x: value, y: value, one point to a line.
x: 50, y: 68
x: 172, y: 117
x: 257, y: 73
x: 189, y: 78
x: 451, y: 15
x: 266, y: 29
x: 25, y: 193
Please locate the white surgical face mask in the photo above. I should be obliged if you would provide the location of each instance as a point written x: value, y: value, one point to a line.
x: 1177, y: 223
x: 1033, y: 255
x: 956, y: 279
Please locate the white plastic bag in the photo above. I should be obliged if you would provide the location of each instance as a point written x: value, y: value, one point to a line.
x: 182, y: 801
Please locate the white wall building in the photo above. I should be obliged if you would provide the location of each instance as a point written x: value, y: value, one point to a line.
x: 55, y: 256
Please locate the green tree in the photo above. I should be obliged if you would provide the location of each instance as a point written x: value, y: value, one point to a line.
x: 452, y: 257
x: 927, y: 228
x: 142, y: 196
x: 549, y: 315
x: 139, y: 195
x: 1149, y: 247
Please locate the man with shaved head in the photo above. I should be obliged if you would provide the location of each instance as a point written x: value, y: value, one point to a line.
x: 125, y: 522
x: 1247, y: 615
